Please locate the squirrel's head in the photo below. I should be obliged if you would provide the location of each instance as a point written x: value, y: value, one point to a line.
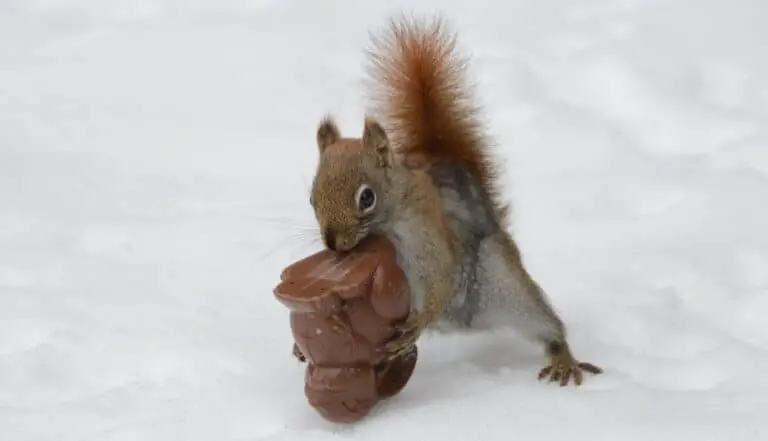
x: 349, y: 192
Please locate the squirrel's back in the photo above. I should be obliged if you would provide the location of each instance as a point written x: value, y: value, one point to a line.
x: 419, y: 91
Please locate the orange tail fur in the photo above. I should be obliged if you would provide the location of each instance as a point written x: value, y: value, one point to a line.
x: 419, y: 92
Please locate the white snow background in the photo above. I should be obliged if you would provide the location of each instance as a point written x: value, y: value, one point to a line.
x: 155, y: 163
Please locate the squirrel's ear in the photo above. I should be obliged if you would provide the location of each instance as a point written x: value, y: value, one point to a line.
x: 327, y: 133
x: 375, y: 138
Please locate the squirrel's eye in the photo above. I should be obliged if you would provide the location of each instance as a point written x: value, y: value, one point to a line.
x: 366, y: 198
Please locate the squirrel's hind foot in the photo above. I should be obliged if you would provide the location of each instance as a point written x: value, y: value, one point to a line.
x: 562, y: 366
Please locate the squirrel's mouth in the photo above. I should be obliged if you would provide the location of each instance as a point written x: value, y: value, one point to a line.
x: 329, y: 238
x: 342, y: 242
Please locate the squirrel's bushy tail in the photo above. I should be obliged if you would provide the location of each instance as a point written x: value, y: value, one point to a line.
x: 419, y: 92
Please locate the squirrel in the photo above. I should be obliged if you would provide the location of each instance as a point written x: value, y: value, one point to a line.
x: 421, y: 174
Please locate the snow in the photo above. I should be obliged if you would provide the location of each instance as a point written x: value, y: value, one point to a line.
x: 155, y: 162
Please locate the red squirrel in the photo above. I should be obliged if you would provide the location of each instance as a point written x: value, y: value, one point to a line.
x: 421, y: 174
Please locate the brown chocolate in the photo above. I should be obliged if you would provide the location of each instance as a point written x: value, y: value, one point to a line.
x: 343, y: 308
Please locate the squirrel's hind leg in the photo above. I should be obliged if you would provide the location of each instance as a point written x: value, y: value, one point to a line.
x: 511, y: 297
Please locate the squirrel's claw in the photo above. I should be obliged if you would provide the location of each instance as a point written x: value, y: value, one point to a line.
x: 297, y: 353
x: 400, y: 346
x: 563, y: 366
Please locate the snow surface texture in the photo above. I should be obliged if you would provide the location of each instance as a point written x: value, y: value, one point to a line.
x: 155, y: 162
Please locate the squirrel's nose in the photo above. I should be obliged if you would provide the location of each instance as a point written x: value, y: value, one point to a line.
x: 330, y: 239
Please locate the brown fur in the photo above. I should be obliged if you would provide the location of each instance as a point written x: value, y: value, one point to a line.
x: 343, y: 164
x: 418, y: 86
x: 424, y: 123
x: 327, y: 134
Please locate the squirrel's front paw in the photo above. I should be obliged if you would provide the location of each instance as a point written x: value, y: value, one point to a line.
x: 407, y: 334
x: 563, y: 366
x: 297, y: 353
